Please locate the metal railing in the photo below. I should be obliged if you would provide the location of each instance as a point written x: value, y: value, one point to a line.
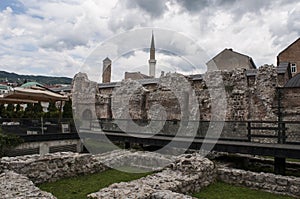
x: 27, y: 126
x: 278, y: 128
x: 251, y: 131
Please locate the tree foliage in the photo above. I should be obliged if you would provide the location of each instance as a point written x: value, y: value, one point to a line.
x: 28, y: 113
x: 33, y: 111
x: 7, y: 142
x: 2, y: 111
x: 53, y: 111
x: 19, y: 113
x: 67, y: 110
x: 52, y: 107
x: 46, y: 80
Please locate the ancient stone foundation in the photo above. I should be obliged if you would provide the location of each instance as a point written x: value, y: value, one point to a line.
x: 55, y: 166
x: 269, y: 182
x: 183, y: 174
x: 13, y: 185
x: 188, y: 174
x: 52, y: 167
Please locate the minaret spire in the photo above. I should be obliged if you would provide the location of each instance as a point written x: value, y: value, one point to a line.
x: 152, y: 41
x: 152, y: 61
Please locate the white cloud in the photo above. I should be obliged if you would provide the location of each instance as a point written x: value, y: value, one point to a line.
x: 54, y: 37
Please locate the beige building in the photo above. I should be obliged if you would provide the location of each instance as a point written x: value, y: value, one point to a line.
x: 136, y: 75
x: 230, y: 60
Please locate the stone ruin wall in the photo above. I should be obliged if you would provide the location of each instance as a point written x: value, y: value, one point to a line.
x: 248, y: 98
x: 262, y: 181
x: 187, y: 174
x: 17, y: 186
x: 184, y: 174
x: 291, y: 109
x: 54, y: 166
x: 291, y: 104
x: 51, y: 167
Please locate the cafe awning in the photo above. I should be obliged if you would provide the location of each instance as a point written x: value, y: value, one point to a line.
x: 33, y: 94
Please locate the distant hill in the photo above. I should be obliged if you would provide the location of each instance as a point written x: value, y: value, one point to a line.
x: 46, y: 80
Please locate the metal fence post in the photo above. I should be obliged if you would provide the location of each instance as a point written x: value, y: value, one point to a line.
x: 283, y: 133
x: 249, y: 131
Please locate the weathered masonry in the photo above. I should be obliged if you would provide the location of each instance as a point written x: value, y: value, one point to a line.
x: 250, y: 95
x: 183, y: 174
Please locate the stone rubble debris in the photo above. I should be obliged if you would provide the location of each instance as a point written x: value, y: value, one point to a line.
x: 16, y: 186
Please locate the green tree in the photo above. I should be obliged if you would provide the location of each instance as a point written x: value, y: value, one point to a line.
x: 7, y: 142
x: 37, y: 110
x: 33, y: 110
x: 28, y: 113
x: 53, y: 111
x: 2, y: 111
x: 52, y: 107
x: 18, y: 107
x: 10, y: 109
x: 18, y: 112
x: 67, y: 110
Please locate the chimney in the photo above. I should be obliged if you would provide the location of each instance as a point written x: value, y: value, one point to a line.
x: 106, y: 72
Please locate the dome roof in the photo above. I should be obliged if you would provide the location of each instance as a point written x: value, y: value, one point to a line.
x: 30, y: 84
x: 3, y: 87
x: 294, y: 82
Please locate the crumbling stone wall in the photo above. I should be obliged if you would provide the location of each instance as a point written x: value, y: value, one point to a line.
x: 167, y: 99
x: 103, y: 106
x: 188, y: 174
x: 184, y: 174
x: 248, y: 98
x: 262, y: 106
x: 283, y: 78
x: 52, y: 167
x: 55, y: 166
x: 126, y: 101
x: 17, y: 186
x: 83, y: 100
x: 269, y: 182
x: 291, y: 103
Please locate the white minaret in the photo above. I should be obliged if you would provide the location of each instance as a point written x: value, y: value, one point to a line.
x: 152, y: 60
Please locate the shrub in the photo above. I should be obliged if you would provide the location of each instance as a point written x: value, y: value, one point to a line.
x: 8, y: 141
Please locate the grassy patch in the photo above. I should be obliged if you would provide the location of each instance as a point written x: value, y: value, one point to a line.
x: 264, y: 165
x: 292, y: 160
x: 221, y: 190
x: 79, y: 187
x: 288, y: 159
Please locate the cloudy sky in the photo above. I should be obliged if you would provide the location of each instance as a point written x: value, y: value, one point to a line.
x: 55, y: 37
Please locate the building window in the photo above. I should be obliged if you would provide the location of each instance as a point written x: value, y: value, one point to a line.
x: 293, y: 68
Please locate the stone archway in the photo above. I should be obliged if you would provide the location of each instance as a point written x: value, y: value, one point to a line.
x: 86, y: 118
